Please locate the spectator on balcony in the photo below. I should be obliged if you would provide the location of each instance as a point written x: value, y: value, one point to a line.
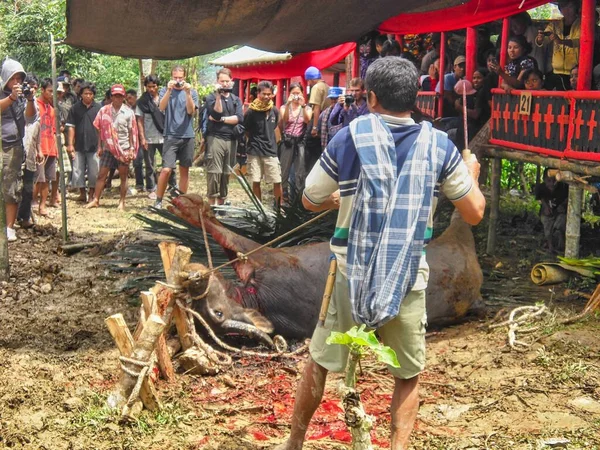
x: 429, y: 82
x: 564, y: 34
x: 450, y: 80
x: 390, y: 48
x: 484, y: 44
x: 574, y: 77
x: 522, y: 25
x: 533, y: 80
x: 518, y: 63
x: 432, y: 55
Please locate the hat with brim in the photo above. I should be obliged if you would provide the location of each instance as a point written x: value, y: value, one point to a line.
x: 464, y: 85
x: 459, y: 60
x: 117, y: 89
x: 60, y: 87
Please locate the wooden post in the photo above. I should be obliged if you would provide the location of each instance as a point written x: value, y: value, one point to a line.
x: 494, y: 205
x: 504, y: 45
x: 61, y: 163
x: 471, y: 56
x: 241, y: 90
x: 573, y: 232
x: 440, y: 111
x: 586, y: 45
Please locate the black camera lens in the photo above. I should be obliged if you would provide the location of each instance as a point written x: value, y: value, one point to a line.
x: 26, y: 89
x: 349, y: 99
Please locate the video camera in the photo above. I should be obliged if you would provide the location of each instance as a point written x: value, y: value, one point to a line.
x: 25, y: 89
x: 223, y: 90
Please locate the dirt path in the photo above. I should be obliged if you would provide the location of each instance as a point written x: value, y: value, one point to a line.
x: 58, y: 363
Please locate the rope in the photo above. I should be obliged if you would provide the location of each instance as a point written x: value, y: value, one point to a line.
x: 210, y: 263
x: 145, y: 365
x: 243, y: 257
x: 280, y: 342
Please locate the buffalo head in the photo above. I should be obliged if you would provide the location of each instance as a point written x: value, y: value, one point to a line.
x: 223, y: 314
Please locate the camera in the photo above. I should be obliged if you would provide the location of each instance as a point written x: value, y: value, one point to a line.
x: 223, y: 90
x: 296, y: 98
x: 179, y: 84
x: 348, y: 99
x: 26, y: 89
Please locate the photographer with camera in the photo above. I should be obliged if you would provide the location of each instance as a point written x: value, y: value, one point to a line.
x: 17, y: 103
x: 295, y: 115
x: 179, y: 102
x: 224, y: 129
x: 351, y: 105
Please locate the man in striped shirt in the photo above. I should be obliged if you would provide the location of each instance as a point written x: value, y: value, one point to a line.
x: 392, y: 85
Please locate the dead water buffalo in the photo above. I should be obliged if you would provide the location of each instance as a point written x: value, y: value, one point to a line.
x: 286, y: 284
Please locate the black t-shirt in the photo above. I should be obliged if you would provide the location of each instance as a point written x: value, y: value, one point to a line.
x: 232, y: 106
x: 260, y: 126
x: 82, y: 118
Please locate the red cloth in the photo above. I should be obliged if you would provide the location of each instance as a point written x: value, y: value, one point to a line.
x: 296, y: 66
x: 472, y: 13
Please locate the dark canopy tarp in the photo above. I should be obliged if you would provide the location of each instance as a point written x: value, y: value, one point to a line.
x: 294, y: 67
x: 173, y: 29
x: 472, y: 13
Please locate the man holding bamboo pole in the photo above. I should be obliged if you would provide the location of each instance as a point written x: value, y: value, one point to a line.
x: 383, y: 173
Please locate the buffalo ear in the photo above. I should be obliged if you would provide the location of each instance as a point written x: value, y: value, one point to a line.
x: 259, y: 321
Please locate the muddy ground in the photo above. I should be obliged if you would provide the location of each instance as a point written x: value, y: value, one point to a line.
x: 58, y: 362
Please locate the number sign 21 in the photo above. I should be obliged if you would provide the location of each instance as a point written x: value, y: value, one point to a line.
x: 525, y: 103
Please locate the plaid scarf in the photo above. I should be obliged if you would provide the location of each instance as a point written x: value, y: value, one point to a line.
x: 391, y: 209
x: 257, y: 105
x: 104, y: 123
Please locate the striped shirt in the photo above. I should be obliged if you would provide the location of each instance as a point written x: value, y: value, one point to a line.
x: 339, y: 168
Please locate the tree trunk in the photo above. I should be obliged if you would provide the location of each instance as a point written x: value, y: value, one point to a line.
x: 573, y: 232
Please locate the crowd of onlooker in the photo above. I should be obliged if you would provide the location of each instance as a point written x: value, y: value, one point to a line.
x: 277, y: 145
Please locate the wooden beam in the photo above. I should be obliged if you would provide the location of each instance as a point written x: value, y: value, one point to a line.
x: 579, y: 167
x: 573, y: 232
x: 494, y: 205
x: 440, y: 109
x: 586, y: 45
x: 471, y: 49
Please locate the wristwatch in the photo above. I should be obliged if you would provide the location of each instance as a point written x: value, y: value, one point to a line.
x: 222, y: 119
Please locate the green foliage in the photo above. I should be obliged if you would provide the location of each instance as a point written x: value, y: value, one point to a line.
x: 590, y: 218
x: 544, y: 12
x: 361, y: 341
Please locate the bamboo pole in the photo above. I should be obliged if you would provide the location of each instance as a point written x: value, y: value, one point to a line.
x: 494, y: 205
x: 573, y: 232
x: 61, y: 163
x: 4, y: 261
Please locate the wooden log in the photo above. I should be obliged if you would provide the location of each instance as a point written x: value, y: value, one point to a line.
x: 120, y: 333
x: 148, y: 307
x: 142, y: 351
x: 494, y: 205
x: 167, y: 251
x: 573, y: 231
x: 184, y: 328
x: 580, y: 167
x: 71, y: 249
x: 181, y: 258
x: 124, y: 341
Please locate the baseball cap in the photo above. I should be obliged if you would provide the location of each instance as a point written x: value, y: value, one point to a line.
x: 63, y: 79
x: 464, y: 85
x: 60, y: 88
x: 335, y: 92
x: 117, y: 89
x: 459, y: 60
x: 312, y: 73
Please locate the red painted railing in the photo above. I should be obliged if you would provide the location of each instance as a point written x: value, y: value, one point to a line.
x: 427, y: 103
x: 559, y: 124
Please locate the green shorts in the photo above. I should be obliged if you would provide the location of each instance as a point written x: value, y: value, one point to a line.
x: 405, y: 334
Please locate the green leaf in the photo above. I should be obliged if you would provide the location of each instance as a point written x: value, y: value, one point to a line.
x: 358, y: 339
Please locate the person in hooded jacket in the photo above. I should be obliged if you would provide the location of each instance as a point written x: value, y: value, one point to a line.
x: 17, y: 106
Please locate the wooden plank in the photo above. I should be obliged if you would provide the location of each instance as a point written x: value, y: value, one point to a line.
x: 167, y: 252
x: 183, y: 328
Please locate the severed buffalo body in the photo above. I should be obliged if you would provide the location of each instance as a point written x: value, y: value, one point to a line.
x: 285, y: 285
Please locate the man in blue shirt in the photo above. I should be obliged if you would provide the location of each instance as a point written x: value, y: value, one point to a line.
x: 179, y: 102
x: 351, y: 105
x: 450, y: 80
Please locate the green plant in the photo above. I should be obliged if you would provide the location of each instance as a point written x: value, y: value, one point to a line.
x: 359, y: 342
